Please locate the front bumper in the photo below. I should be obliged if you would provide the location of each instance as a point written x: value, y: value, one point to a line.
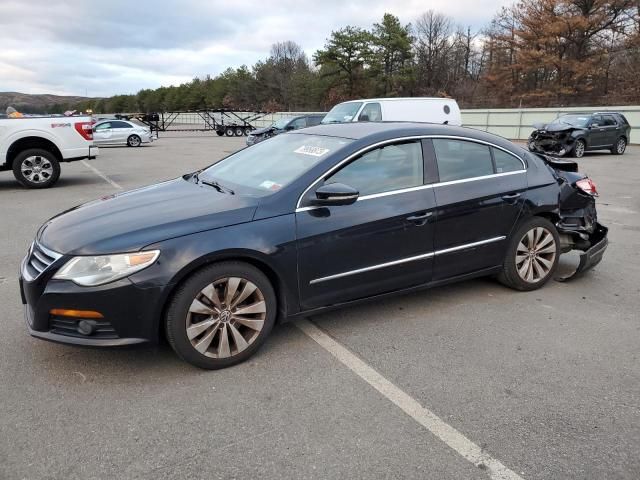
x: 550, y: 144
x: 591, y: 255
x: 130, y: 313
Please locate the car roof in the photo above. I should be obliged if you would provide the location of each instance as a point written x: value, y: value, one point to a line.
x: 387, y: 130
x: 395, y: 99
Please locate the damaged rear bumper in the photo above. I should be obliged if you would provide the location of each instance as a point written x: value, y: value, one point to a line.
x: 593, y: 253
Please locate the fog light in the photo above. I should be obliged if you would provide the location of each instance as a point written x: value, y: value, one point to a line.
x: 86, y: 327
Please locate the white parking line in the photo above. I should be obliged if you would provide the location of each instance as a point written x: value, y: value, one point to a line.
x: 425, y: 417
x: 101, y: 175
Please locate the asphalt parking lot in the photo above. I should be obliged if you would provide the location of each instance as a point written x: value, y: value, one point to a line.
x: 545, y: 382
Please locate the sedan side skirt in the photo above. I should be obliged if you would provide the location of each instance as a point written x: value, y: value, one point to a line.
x: 406, y: 260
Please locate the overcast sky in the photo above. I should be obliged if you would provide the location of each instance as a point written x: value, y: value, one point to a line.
x: 101, y: 48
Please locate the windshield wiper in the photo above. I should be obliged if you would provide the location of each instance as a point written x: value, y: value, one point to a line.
x: 218, y: 186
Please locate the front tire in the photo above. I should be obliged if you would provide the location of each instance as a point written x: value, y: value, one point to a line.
x: 579, y: 148
x: 36, y: 168
x: 619, y: 147
x: 221, y: 315
x: 134, y: 141
x: 532, y: 255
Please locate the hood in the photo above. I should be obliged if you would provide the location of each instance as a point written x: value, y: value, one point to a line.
x: 556, y: 127
x: 129, y: 221
x: 261, y: 131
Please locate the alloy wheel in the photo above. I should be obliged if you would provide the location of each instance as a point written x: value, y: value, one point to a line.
x: 535, y: 255
x: 134, y: 141
x: 36, y: 169
x: 621, y: 146
x: 579, y: 149
x: 226, y: 317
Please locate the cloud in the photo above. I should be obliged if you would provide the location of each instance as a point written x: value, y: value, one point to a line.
x: 105, y: 48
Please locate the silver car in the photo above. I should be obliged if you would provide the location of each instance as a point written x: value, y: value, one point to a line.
x: 121, y: 132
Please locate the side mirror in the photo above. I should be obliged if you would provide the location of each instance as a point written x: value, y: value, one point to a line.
x: 335, y: 194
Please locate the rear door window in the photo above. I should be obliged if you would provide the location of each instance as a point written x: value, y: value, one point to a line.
x: 608, y: 120
x: 505, y: 162
x: 103, y: 126
x: 461, y: 159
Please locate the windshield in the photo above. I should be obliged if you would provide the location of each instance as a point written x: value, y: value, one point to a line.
x: 268, y: 166
x: 343, y: 112
x: 573, y: 120
x: 280, y: 124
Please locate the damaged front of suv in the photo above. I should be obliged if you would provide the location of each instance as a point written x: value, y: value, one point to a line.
x: 562, y: 136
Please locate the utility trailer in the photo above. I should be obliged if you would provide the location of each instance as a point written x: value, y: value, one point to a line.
x: 224, y: 122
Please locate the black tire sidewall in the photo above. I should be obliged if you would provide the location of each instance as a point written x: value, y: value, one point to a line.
x: 51, y: 158
x: 509, y: 275
x: 576, y: 147
x: 175, y: 318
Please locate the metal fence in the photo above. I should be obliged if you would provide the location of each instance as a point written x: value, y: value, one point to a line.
x: 513, y: 123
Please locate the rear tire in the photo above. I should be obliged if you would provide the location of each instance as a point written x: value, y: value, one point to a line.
x: 579, y: 148
x: 221, y: 315
x: 228, y: 132
x: 36, y: 168
x: 134, y: 141
x: 247, y: 131
x: 239, y: 131
x: 532, y: 255
x: 619, y: 147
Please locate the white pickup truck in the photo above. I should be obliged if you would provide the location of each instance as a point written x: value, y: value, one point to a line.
x: 34, y: 147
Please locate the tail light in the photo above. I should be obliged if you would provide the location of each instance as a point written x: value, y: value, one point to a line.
x: 587, y: 186
x: 84, y: 129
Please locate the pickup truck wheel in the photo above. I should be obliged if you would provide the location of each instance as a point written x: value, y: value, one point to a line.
x: 36, y: 168
x: 134, y: 141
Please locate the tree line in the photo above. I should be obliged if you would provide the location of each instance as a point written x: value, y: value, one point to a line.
x: 533, y: 54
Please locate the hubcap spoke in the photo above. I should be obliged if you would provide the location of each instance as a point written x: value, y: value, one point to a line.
x: 198, y: 307
x: 248, y: 289
x: 203, y: 345
x: 223, y: 344
x: 249, y: 322
x: 258, y: 307
x: 212, y: 295
x: 232, y: 287
x: 238, y: 339
x: 197, y: 328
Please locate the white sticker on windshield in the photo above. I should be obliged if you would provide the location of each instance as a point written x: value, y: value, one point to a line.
x: 313, y: 151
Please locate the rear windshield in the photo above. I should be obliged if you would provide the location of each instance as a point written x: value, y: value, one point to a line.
x: 343, y: 112
x: 268, y: 166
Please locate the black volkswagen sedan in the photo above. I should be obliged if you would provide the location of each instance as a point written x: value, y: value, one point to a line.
x: 307, y: 221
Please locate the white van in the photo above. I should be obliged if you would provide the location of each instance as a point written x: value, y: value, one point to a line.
x: 409, y: 109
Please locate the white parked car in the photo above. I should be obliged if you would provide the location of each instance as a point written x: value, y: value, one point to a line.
x: 34, y: 147
x: 121, y: 132
x: 409, y: 109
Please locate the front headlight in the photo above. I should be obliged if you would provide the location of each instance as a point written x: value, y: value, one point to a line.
x: 98, y: 270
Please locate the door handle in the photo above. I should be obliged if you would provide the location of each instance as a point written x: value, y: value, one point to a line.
x: 420, y: 219
x: 511, y: 196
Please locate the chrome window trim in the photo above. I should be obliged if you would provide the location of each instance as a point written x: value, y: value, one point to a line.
x: 473, y: 179
x: 408, y: 259
x: 409, y: 138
